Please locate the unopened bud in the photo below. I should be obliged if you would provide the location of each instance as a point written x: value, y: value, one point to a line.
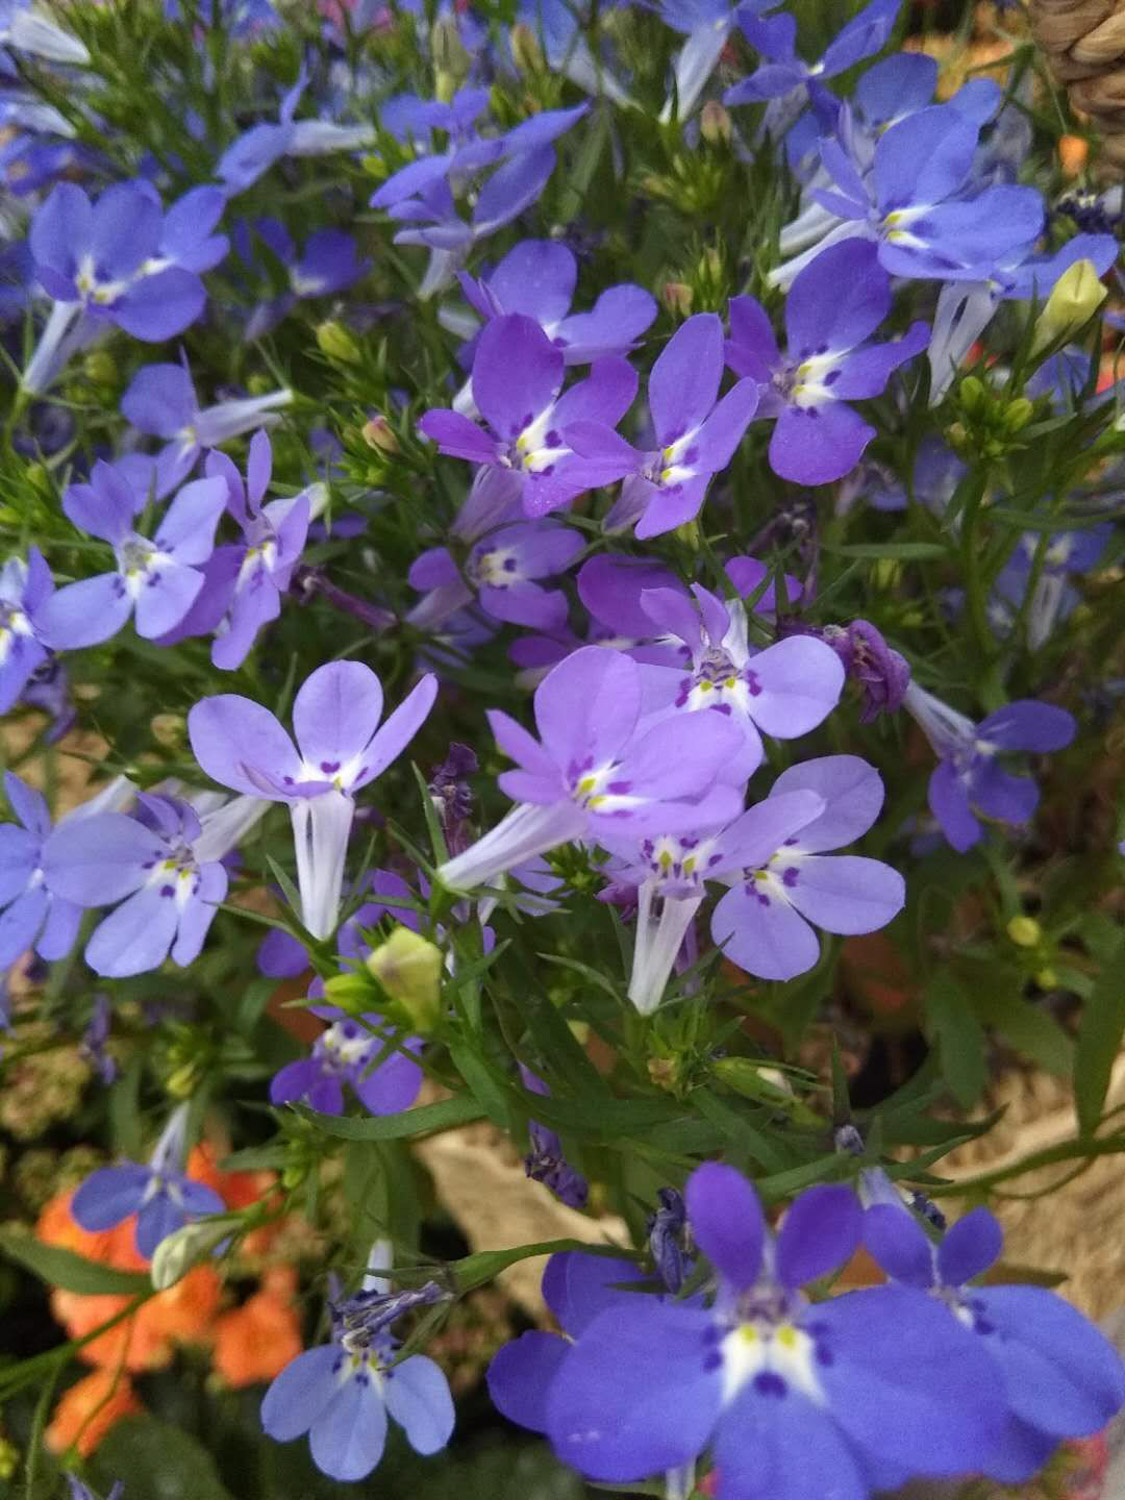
x: 409, y: 967
x: 100, y: 367
x: 526, y: 50
x: 450, y: 58
x: 972, y: 395
x: 169, y: 730
x: 677, y: 297
x: 379, y: 434
x: 334, y: 340
x: 1025, y: 932
x: 1047, y: 979
x: 714, y: 123
x: 1076, y: 298
x: 1017, y: 415
x: 178, y: 1252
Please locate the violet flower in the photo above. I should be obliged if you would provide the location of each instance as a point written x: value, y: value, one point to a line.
x: 833, y: 308
x: 696, y: 432
x: 155, y: 580
x: 160, y: 1194
x: 794, y: 1398
x: 348, y: 1052
x: 595, y: 770
x: 968, y: 779
x: 784, y: 72
x: 32, y: 915
x: 1052, y: 597
x: 340, y: 749
x: 517, y: 387
x: 154, y: 864
x: 501, y: 573
x: 329, y: 263
x: 537, y: 279
x: 161, y: 402
x: 24, y: 589
x: 1057, y: 1374
x: 257, y: 149
x: 26, y: 27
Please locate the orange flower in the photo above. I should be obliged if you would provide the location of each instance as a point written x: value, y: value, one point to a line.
x: 87, y: 1411
x: 257, y: 1340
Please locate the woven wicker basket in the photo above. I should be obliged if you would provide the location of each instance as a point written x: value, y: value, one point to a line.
x: 1084, y: 42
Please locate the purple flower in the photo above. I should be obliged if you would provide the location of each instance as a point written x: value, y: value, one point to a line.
x: 151, y: 864
x: 122, y: 260
x: 48, y: 689
x: 32, y: 916
x: 832, y: 309
x: 328, y: 264
x: 342, y: 1394
x: 1058, y: 1376
x: 24, y: 589
x: 793, y: 1398
x: 340, y: 749
x: 765, y: 922
x: 881, y: 673
x: 669, y: 1239
x: 546, y: 1161
x: 707, y: 25
x: 161, y: 1196
x: 501, y: 572
x: 79, y: 1491
x: 517, y: 388
x: 595, y: 770
x: 157, y: 579
x: 256, y: 150
x: 776, y: 39
x: 1052, y: 598
x: 696, y: 433
x: 453, y: 796
x: 785, y: 690
x: 537, y: 279
x: 968, y: 779
x: 25, y: 27
x: 348, y: 1052
x: 576, y: 1288
x: 245, y: 583
x: 161, y: 402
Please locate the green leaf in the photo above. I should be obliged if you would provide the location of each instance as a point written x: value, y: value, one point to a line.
x: 462, y: 1109
x: 903, y: 551
x: 959, y: 1035
x: 1099, y: 1038
x: 159, y: 1461
x: 485, y: 1265
x: 71, y: 1272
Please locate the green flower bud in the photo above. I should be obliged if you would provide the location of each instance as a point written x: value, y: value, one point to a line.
x: 334, y: 340
x: 409, y: 968
x: 178, y: 1252
x: 1077, y: 295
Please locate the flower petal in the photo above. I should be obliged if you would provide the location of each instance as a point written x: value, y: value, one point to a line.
x: 727, y: 1221
x: 417, y: 1397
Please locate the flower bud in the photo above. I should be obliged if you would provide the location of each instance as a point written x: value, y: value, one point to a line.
x: 1025, y: 932
x: 714, y: 123
x: 178, y: 1252
x: 100, y: 367
x: 677, y: 297
x: 334, y: 340
x: 379, y: 434
x: 1047, y: 979
x: 409, y: 967
x: 9, y: 1459
x: 526, y: 50
x: 1076, y: 298
x: 1017, y: 415
x: 451, y: 59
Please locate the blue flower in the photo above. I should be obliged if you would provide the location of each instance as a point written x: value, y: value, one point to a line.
x: 794, y: 1398
x: 24, y: 589
x: 31, y: 915
x: 160, y: 1195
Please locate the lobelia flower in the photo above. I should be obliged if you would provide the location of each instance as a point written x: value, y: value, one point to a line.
x: 48, y: 689
x: 968, y: 780
x: 256, y: 150
x: 340, y: 749
x: 349, y: 1052
x: 784, y: 72
x: 1050, y: 598
x: 329, y: 263
x: 707, y: 24
x: 161, y: 1195
x: 79, y: 1491
x: 537, y: 279
x: 696, y: 432
x: 517, y: 387
x: 1058, y: 1375
x: 24, y: 589
x: 500, y: 573
x: 157, y: 581
x: 343, y: 1392
x: 26, y: 27
x: 833, y: 307
x: 123, y: 261
x: 546, y: 1161
x: 161, y: 402
x: 765, y: 922
x: 154, y: 864
x: 785, y: 690
x: 33, y: 915
x: 595, y: 771
x: 916, y: 203
x: 560, y: 28
x: 245, y: 582
x: 576, y: 1288
x: 793, y: 1398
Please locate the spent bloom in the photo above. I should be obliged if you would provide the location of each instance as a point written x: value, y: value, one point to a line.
x: 969, y: 780
x: 340, y: 749
x: 546, y: 1161
x: 156, y: 865
x: 695, y: 432
x: 792, y: 1398
x: 595, y: 770
x: 833, y: 307
x: 160, y: 1193
x: 156, y: 580
x: 24, y: 589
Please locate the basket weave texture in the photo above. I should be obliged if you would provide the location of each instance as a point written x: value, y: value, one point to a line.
x: 1084, y: 42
